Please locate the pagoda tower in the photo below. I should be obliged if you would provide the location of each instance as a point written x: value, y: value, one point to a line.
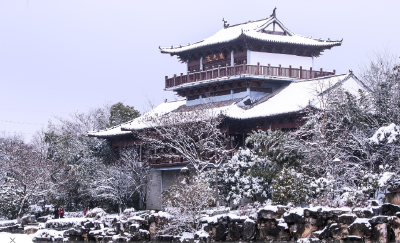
x: 251, y: 59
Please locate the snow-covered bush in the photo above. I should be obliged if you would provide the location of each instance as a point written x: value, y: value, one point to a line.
x: 235, y: 179
x: 96, y: 213
x: 185, y: 201
x: 290, y: 187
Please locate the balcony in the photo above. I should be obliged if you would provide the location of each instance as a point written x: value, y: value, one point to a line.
x: 245, y: 69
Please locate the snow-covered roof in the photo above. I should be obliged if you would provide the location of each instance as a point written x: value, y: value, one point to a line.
x: 253, y: 30
x: 139, y: 123
x: 294, y: 97
x: 298, y: 95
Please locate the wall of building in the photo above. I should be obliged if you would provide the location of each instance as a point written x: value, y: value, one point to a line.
x: 275, y: 59
x: 159, y: 180
x: 154, y: 191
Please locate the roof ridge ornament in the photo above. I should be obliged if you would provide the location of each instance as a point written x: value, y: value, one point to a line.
x: 226, y: 25
x: 273, y: 13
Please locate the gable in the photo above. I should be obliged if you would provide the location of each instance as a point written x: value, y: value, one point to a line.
x: 273, y: 28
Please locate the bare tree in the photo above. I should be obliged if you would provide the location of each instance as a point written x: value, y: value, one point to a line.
x: 194, y: 135
x: 120, y: 181
x: 26, y: 169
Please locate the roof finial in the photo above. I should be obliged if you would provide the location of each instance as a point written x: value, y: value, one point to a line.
x: 226, y: 25
x: 273, y: 13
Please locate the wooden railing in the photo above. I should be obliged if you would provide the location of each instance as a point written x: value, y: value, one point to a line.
x: 245, y: 69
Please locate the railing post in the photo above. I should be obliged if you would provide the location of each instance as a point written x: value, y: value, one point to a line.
x: 175, y: 80
x: 280, y: 70
x: 290, y: 71
x: 226, y: 70
x: 181, y: 81
x: 212, y: 72
x: 269, y: 70
x: 334, y: 71
x: 166, y: 82
x: 311, y: 73
x: 188, y: 77
x: 320, y: 73
x: 219, y: 71
x: 301, y: 72
x: 244, y: 67
x: 234, y: 69
x: 258, y: 68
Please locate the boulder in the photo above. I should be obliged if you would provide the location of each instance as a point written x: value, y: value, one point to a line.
x: 234, y: 231
x: 389, y: 209
x: 219, y: 232
x: 322, y: 234
x: 361, y: 227
x: 347, y: 218
x: 380, y: 220
x: 295, y: 217
x: 271, y: 212
x: 249, y: 230
x: 363, y: 213
x: 381, y: 233
x: 308, y: 229
x: 339, y: 231
x: 30, y: 230
x: 395, y: 225
x: 27, y: 220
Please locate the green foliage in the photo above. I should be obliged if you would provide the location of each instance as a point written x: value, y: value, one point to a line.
x: 290, y: 187
x: 120, y: 113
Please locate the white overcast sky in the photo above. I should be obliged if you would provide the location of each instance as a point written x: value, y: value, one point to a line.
x: 62, y: 56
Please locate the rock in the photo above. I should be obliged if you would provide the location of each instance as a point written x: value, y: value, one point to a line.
x: 42, y: 219
x: 361, y: 227
x: 339, y: 231
x: 133, y: 228
x: 312, y: 213
x: 395, y: 225
x: 27, y: 219
x: 249, y: 230
x: 297, y: 230
x: 219, y: 232
x: 390, y: 209
x: 347, y: 218
x: 380, y: 220
x: 363, y: 213
x: 235, y: 231
x: 89, y: 225
x: 293, y: 217
x: 271, y: 212
x: 308, y: 229
x: 354, y: 238
x: 381, y: 233
x: 30, y: 230
x: 322, y: 234
x: 152, y: 231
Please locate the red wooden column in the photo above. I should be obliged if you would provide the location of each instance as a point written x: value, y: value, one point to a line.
x: 311, y: 73
x: 174, y: 79
x: 258, y: 69
x: 269, y: 70
x: 219, y: 71
x: 244, y: 67
x: 181, y: 81
x: 290, y: 71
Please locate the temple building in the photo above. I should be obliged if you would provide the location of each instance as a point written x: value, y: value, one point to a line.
x: 259, y: 74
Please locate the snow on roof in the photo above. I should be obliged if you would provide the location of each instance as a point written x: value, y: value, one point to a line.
x: 295, y: 97
x: 253, y: 30
x: 138, y: 123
